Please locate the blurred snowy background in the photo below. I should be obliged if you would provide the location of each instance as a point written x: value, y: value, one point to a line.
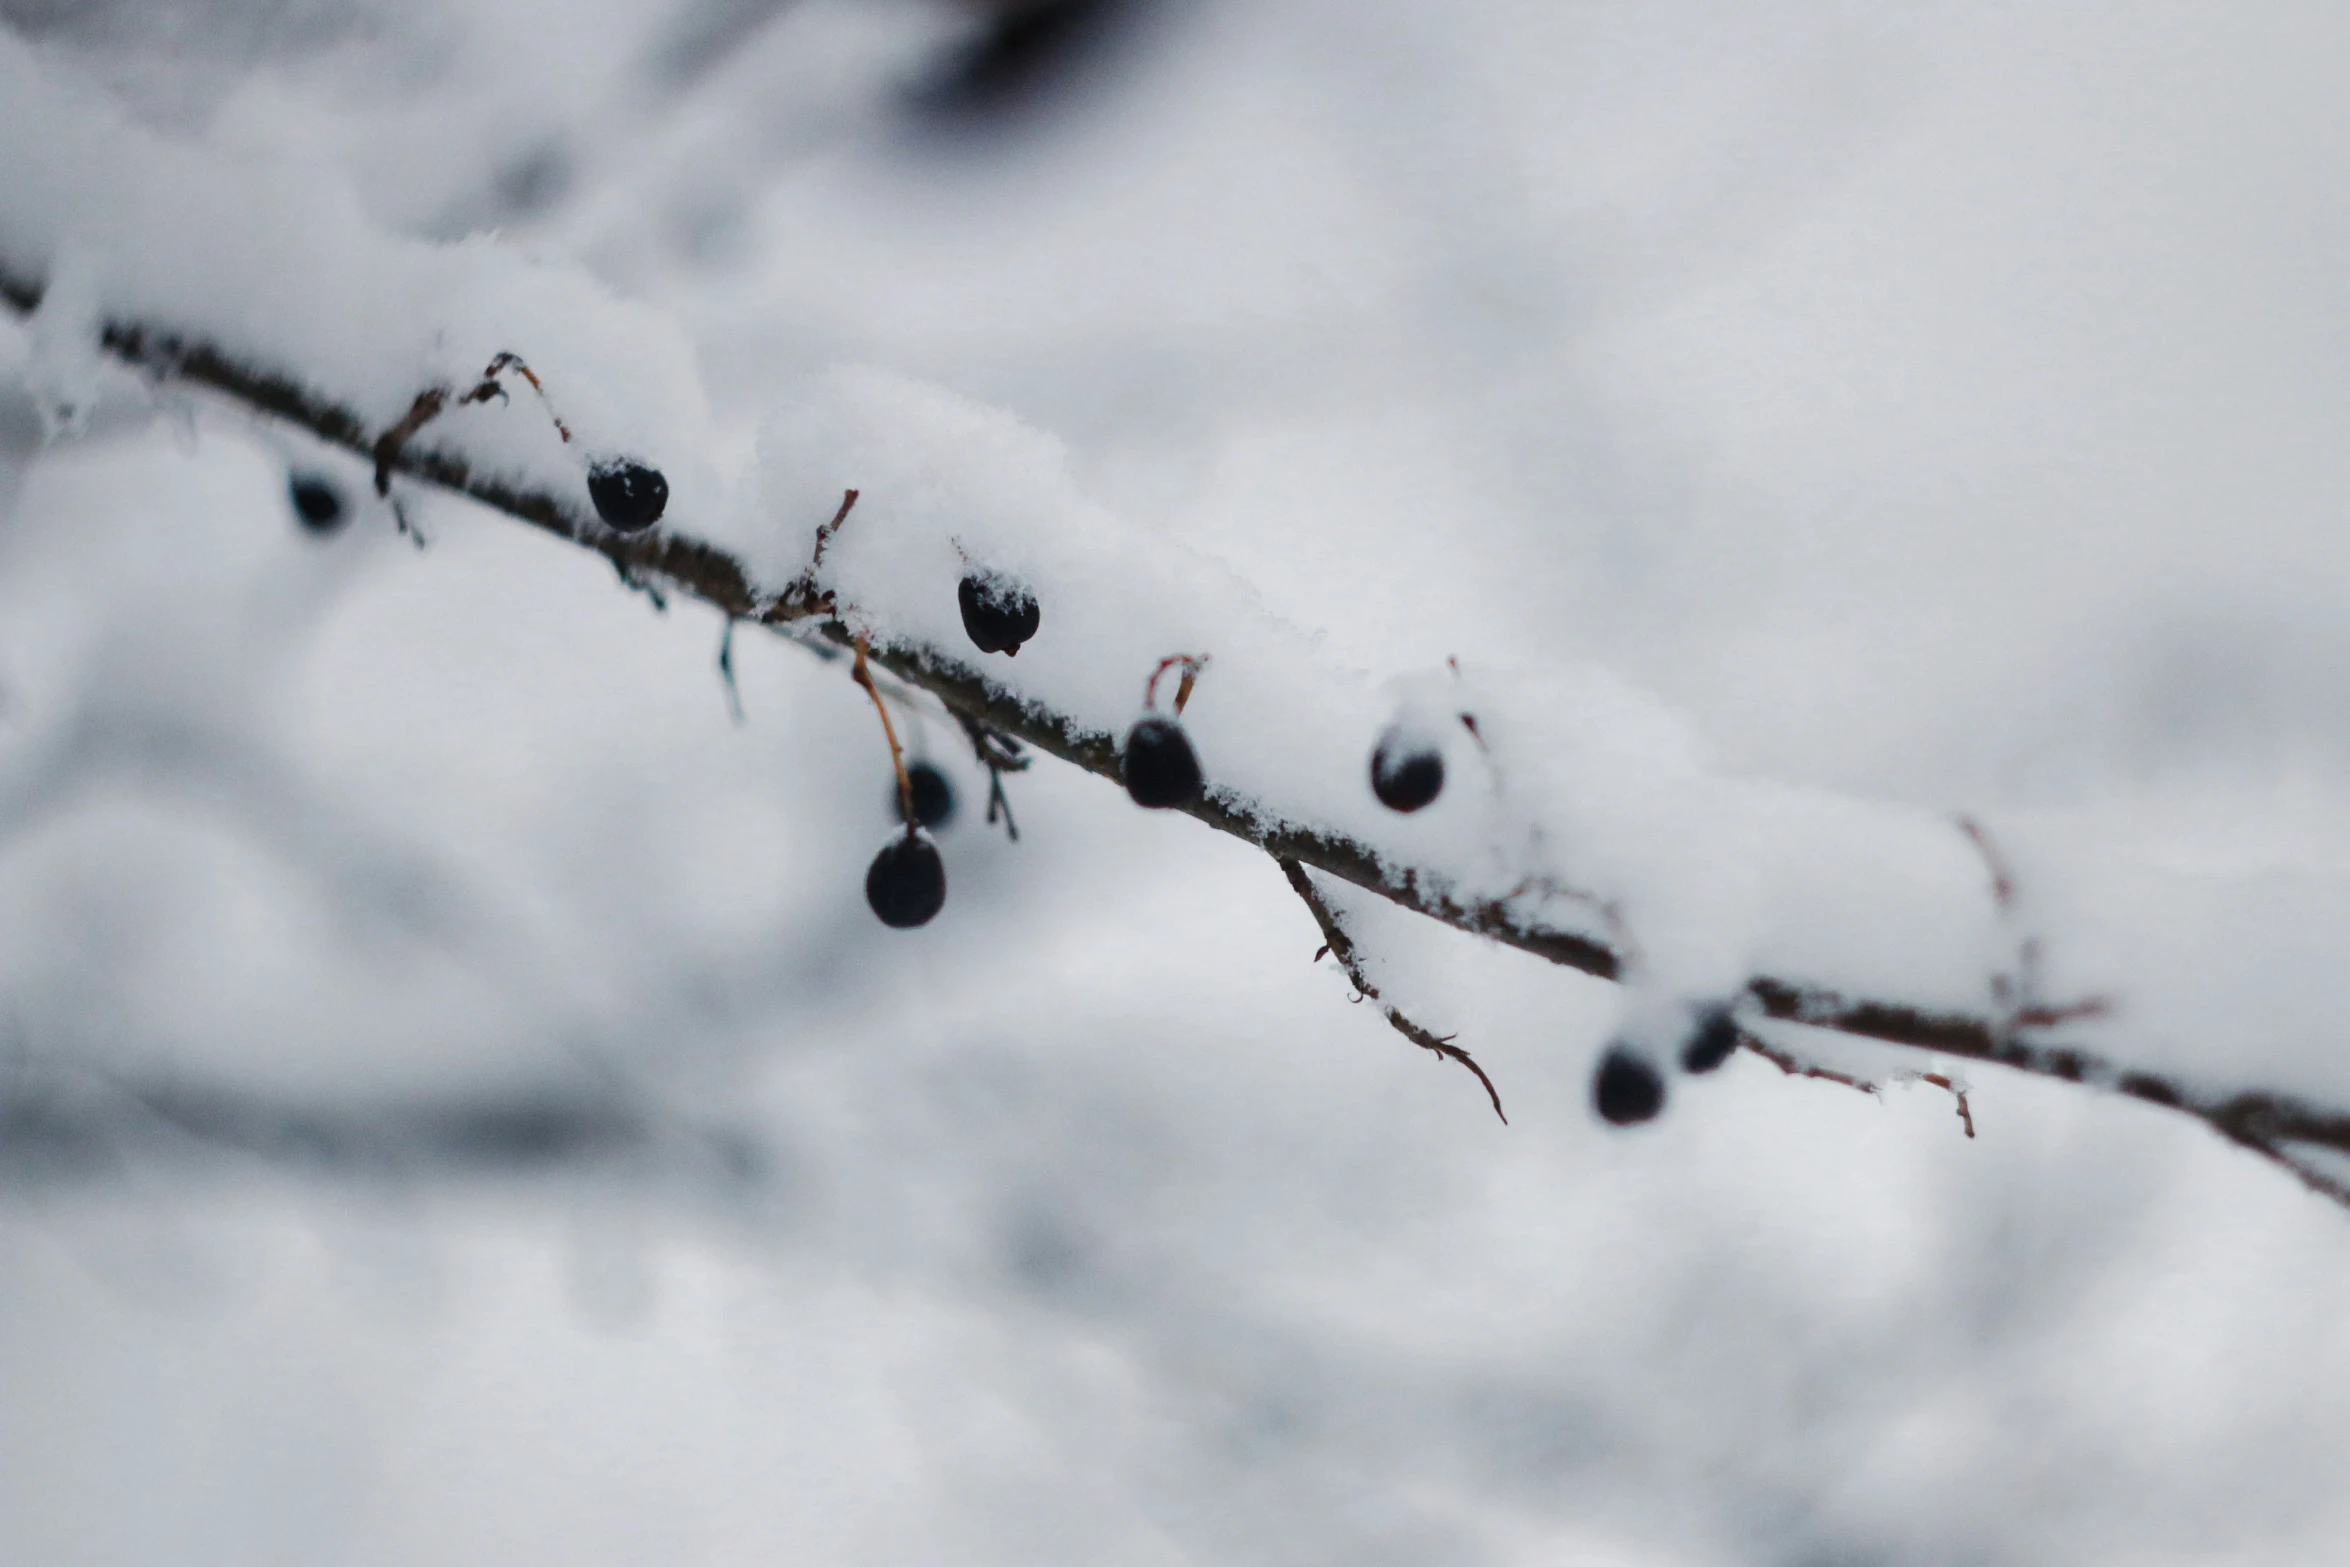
x: 455, y: 1106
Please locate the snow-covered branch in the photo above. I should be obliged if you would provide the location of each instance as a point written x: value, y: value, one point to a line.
x: 1582, y: 826
x: 2301, y: 1135
x: 63, y: 1126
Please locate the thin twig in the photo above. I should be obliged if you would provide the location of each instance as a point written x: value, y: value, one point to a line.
x: 1794, y: 1066
x: 490, y: 387
x: 999, y: 754
x: 1341, y: 946
x: 2018, y: 996
x: 863, y: 675
x: 734, y: 696
x: 825, y: 531
x: 2002, y: 878
x: 394, y: 441
x: 636, y: 584
x: 1965, y: 1115
x: 433, y: 399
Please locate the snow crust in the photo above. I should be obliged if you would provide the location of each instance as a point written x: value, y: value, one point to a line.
x: 1577, y: 795
x: 268, y: 252
x: 1576, y: 798
x: 1931, y: 407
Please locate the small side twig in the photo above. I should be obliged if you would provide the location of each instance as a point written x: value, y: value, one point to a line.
x: 734, y: 695
x: 636, y: 584
x: 2002, y: 878
x: 422, y: 412
x: 1340, y: 945
x: 406, y: 525
x: 433, y: 399
x: 1795, y: 1066
x: 1966, y: 1116
x: 2018, y: 996
x: 801, y: 597
x: 490, y: 387
x: 999, y: 753
x: 825, y: 531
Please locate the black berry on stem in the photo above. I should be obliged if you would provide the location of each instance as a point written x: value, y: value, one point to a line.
x: 907, y: 884
x: 998, y: 613
x: 1626, y: 1089
x: 1159, y: 766
x: 1406, y: 771
x: 629, y: 495
x: 934, y: 797
x: 1710, y: 1044
x: 318, y: 504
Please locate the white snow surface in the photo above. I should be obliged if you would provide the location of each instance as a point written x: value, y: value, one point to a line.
x: 1586, y: 785
x: 269, y: 253
x: 1777, y: 432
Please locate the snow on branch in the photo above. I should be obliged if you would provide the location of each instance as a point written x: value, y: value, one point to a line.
x: 66, y: 1125
x: 1581, y: 813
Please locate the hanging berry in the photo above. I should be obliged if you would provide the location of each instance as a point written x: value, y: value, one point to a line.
x: 998, y: 613
x: 317, y: 502
x: 1626, y: 1089
x: 1159, y: 767
x: 934, y: 796
x: 1407, y: 770
x: 629, y: 495
x: 907, y: 884
x: 1711, y: 1041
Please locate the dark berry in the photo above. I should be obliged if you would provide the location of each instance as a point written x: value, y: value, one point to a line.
x: 998, y: 613
x: 1159, y: 766
x: 1406, y: 772
x: 907, y: 885
x: 1028, y: 57
x: 1626, y: 1089
x: 1710, y: 1045
x: 629, y: 495
x: 934, y: 797
x: 318, y: 505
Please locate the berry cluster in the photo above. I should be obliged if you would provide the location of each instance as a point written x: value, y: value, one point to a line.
x: 1627, y: 1088
x: 1407, y: 774
x: 907, y: 883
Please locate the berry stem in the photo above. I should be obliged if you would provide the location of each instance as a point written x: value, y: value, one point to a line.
x: 433, y: 399
x: 1192, y: 665
x: 824, y: 534
x: 897, y: 755
x: 490, y: 388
